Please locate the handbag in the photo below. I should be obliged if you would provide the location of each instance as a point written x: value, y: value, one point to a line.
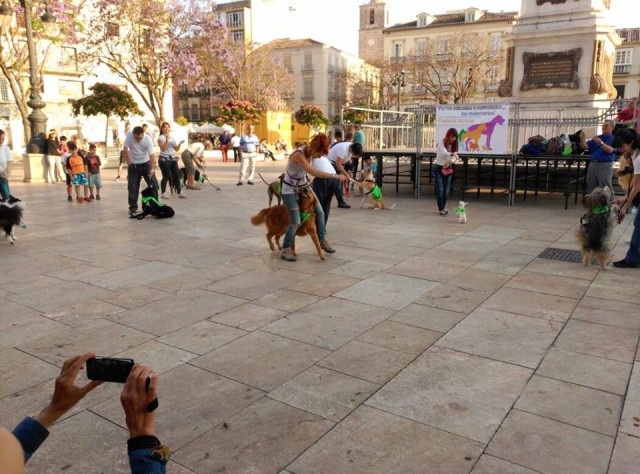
x: 447, y: 171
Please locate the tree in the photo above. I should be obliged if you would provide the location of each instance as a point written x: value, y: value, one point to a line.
x: 455, y: 72
x: 311, y: 115
x: 14, y: 57
x: 149, y: 43
x: 237, y: 111
x: 106, y: 99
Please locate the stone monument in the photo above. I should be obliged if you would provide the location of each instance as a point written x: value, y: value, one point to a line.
x: 563, y: 50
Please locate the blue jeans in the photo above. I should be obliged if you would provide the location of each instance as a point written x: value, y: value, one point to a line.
x: 134, y: 174
x: 291, y: 202
x: 170, y: 171
x: 4, y: 189
x: 443, y: 184
x: 633, y: 254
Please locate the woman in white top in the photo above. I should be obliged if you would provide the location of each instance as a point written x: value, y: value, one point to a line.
x: 169, y: 161
x: 446, y: 156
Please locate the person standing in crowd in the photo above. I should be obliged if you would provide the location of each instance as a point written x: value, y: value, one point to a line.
x: 122, y: 162
x: 446, y: 156
x: 225, y: 139
x: 168, y: 161
x: 141, y: 163
x: 295, y: 181
x: 603, y: 155
x: 5, y: 168
x: 54, y: 171
x: 235, y: 145
x: 627, y: 142
x: 93, y: 167
x: 194, y: 153
x: 340, y: 154
x: 77, y: 169
x: 324, y: 188
x: 250, y: 147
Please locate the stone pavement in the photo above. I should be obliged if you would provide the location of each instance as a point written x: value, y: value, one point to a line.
x: 421, y: 346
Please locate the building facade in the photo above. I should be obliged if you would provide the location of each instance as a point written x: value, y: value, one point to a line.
x: 626, y: 69
x: 325, y: 76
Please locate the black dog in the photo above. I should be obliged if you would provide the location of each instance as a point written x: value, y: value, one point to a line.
x: 152, y: 207
x: 11, y: 217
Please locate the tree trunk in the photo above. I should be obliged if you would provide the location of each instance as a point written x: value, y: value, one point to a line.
x: 106, y: 137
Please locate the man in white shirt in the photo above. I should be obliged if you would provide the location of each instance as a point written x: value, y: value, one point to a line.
x: 5, y: 168
x: 338, y: 155
x: 141, y: 163
x: 250, y: 146
x: 235, y: 145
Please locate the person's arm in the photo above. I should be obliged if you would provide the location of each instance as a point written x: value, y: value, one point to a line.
x: 152, y: 155
x: 340, y: 167
x: 603, y: 145
x: 146, y: 454
x: 298, y: 157
x: 32, y: 432
x: 633, y: 192
x: 163, y: 142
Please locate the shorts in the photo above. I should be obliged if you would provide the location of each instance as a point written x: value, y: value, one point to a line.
x: 95, y: 180
x: 80, y: 179
x: 187, y: 159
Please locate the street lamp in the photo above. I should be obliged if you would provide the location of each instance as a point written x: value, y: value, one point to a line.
x: 398, y: 80
x: 37, y: 118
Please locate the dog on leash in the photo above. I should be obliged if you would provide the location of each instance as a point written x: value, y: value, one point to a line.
x: 276, y: 219
x: 151, y: 206
x: 461, y: 210
x: 11, y: 215
x: 274, y: 189
x: 596, y: 226
x: 369, y: 187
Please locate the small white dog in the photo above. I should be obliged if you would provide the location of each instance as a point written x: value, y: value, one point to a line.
x: 462, y: 212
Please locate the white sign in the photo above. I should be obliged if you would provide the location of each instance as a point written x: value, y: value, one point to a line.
x: 481, y: 128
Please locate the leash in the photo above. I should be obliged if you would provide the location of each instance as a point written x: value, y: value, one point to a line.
x: 204, y: 177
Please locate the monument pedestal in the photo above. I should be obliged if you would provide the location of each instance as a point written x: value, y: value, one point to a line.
x: 561, y: 50
x: 34, y: 170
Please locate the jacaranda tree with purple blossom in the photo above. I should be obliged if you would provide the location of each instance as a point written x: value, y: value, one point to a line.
x: 149, y: 43
x: 14, y: 58
x: 106, y: 99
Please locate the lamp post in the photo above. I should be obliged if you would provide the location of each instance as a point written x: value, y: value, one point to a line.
x: 37, y: 118
x: 398, y: 80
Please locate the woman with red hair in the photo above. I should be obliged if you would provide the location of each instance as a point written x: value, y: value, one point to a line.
x: 295, y: 181
x: 446, y: 156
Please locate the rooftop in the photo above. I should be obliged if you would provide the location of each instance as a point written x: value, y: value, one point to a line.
x: 453, y: 18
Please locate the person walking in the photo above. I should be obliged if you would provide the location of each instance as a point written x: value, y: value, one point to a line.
x: 225, y: 140
x: 627, y: 142
x: 295, y: 181
x: 5, y: 168
x: 193, y: 153
x: 168, y: 161
x: 54, y: 171
x: 235, y: 145
x: 603, y: 155
x: 250, y: 146
x: 141, y: 163
x: 446, y: 156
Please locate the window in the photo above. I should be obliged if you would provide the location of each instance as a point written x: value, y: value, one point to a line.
x: 495, y: 43
x: 421, y: 48
x: 4, y: 90
x: 307, y: 92
x: 308, y: 62
x: 235, y: 19
x: 195, y: 112
x: 397, y: 50
x: 623, y: 57
x: 492, y: 75
x: 422, y: 20
x: 237, y: 36
x: 287, y: 62
x: 372, y: 17
x: 443, y: 45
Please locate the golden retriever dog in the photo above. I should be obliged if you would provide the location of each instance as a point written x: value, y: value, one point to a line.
x: 594, y: 232
x: 276, y: 219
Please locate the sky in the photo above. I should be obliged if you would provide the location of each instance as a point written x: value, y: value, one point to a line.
x: 336, y: 22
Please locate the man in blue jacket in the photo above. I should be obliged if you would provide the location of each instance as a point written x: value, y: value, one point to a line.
x: 603, y: 155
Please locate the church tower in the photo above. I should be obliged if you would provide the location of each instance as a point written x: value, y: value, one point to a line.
x: 373, y: 18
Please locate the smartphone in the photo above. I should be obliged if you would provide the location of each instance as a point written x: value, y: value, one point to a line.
x: 109, y: 369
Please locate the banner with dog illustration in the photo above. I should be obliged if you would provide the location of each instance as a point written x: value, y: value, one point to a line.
x: 482, y: 128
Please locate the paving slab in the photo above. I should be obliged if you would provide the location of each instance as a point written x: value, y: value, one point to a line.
x: 427, y: 317
x: 529, y: 303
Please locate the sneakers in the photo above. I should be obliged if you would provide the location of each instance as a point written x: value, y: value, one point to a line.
x: 91, y: 196
x: 239, y: 183
x: 624, y: 264
x: 182, y: 195
x: 80, y: 200
x: 69, y: 199
x: 250, y: 183
x: 97, y: 197
x: 117, y: 178
x: 165, y: 196
x: 88, y: 199
x: 344, y: 205
x: 288, y: 256
x: 132, y: 210
x: 443, y: 212
x: 324, y: 245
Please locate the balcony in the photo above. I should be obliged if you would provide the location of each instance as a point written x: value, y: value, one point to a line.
x: 491, y: 87
x: 418, y: 90
x: 622, y: 69
x: 306, y: 68
x: 397, y: 60
x: 443, y: 56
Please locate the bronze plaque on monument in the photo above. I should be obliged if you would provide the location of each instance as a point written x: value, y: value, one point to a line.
x: 549, y: 70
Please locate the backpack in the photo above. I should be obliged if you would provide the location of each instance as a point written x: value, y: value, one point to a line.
x: 555, y: 146
x: 536, y: 140
x: 532, y: 150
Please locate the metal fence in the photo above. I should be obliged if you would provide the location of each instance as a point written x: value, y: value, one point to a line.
x: 415, y: 127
